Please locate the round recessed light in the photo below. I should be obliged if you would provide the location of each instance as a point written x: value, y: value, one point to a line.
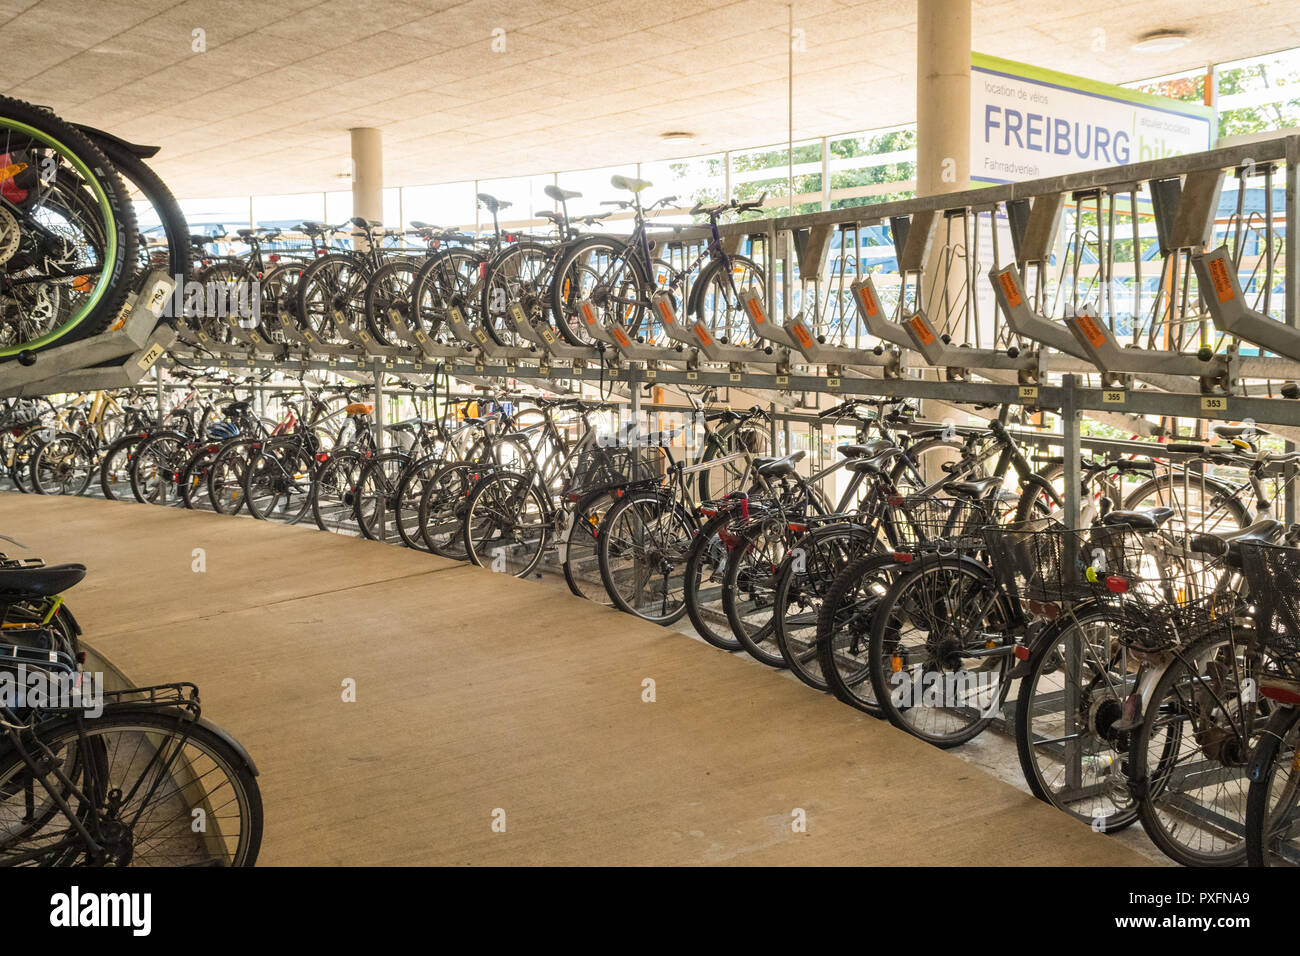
x: 1161, y: 41
x: 676, y: 134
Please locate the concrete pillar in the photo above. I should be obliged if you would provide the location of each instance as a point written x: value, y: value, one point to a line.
x: 368, y: 174
x: 943, y: 41
x: 943, y: 36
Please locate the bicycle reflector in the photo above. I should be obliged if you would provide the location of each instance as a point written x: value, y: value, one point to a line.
x: 1116, y: 585
x: 1283, y: 695
x: 902, y: 557
x: 895, y: 501
x: 1022, y: 652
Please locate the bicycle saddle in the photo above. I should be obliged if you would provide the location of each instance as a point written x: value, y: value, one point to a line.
x: 630, y: 183
x: 869, y: 450
x: 1218, y: 544
x: 1146, y: 519
x: 1236, y: 431
x: 311, y: 227
x: 876, y: 464
x: 561, y: 195
x: 25, y: 583
x: 358, y: 408
x: 492, y: 203
x: 972, y: 490
x: 775, y: 467
x: 235, y: 409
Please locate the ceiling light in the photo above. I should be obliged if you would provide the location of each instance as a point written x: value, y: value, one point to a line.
x: 676, y: 134
x: 1161, y: 41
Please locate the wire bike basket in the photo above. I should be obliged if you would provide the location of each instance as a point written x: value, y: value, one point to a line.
x: 1273, y: 576
x: 915, y: 526
x: 1156, y: 593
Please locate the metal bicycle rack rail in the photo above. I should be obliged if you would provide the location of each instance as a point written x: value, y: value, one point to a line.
x: 1037, y: 293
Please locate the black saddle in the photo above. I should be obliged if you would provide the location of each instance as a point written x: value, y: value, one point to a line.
x: 20, y: 584
x: 778, y: 467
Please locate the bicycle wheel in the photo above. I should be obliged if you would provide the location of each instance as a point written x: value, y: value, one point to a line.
x: 20, y: 462
x: 64, y: 465
x: 642, y: 554
x: 443, y: 507
x: 506, y: 525
x: 67, y: 229
x: 376, y: 504
x: 802, y: 581
x: 387, y: 292
x: 1201, y: 504
x: 928, y: 658
x: 608, y: 274
x: 919, y: 466
x: 144, y: 188
x: 156, y: 468
x: 719, y: 480
x: 406, y: 500
x: 448, y: 276
x: 160, y: 788
x: 226, y: 476
x: 749, y: 590
x: 334, y: 493
x: 520, y: 273
x: 278, y: 481
x: 844, y: 628
x: 1078, y: 676
x: 331, y: 296
x: 1192, y: 750
x: 706, y: 568
x: 581, y: 562
x: 717, y: 299
x: 115, y: 467
x: 194, y: 477
x: 1273, y: 801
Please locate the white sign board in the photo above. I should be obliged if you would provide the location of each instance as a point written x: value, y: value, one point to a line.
x: 1029, y: 123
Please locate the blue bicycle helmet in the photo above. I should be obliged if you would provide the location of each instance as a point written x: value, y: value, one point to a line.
x: 221, y: 431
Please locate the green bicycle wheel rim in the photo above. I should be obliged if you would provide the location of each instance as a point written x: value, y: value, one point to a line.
x: 110, y: 221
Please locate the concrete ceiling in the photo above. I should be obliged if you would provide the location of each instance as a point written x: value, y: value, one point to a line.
x: 266, y: 107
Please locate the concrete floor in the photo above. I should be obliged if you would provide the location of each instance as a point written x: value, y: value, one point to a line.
x: 480, y: 697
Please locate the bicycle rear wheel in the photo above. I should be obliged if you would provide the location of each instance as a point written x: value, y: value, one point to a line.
x: 162, y: 790
x: 506, y: 524
x: 1192, y: 750
x: 928, y: 659
x: 277, y: 483
x: 643, y: 552
x: 1072, y: 757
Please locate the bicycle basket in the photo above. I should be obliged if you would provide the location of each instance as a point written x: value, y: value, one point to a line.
x: 1040, y: 563
x: 1157, y: 593
x: 917, y: 525
x: 1273, y: 576
x: 605, y: 466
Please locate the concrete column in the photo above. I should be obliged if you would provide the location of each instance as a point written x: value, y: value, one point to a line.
x: 943, y: 41
x: 943, y: 96
x: 368, y: 174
